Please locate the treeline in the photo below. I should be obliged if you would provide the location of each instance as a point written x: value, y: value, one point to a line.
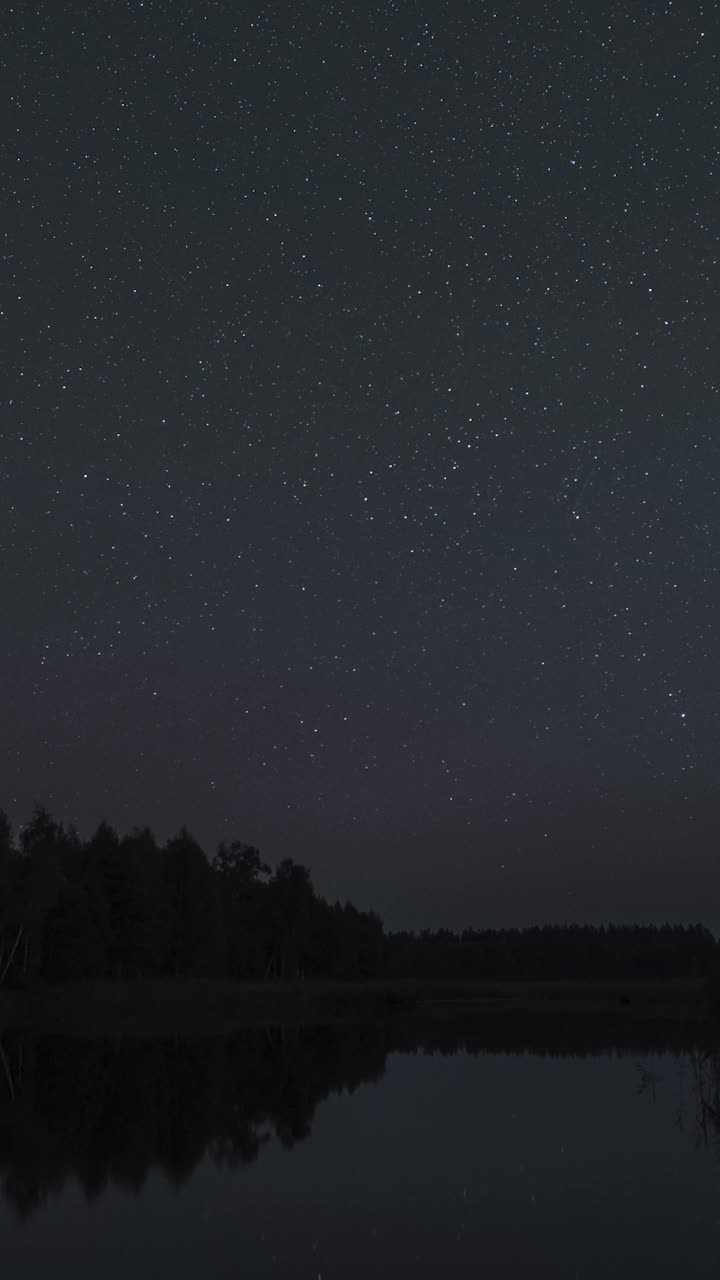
x: 114, y: 907
x: 124, y: 907
x: 556, y: 952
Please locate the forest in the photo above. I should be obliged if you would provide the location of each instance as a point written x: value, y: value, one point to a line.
x: 123, y: 907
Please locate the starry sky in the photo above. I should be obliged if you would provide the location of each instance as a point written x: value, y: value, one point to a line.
x: 359, y: 444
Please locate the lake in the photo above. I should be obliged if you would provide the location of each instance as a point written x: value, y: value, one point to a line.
x: 346, y: 1151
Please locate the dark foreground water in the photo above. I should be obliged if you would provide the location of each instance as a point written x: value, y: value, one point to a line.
x: 330, y: 1153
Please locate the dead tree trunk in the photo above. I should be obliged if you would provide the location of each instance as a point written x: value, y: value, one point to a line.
x: 11, y: 957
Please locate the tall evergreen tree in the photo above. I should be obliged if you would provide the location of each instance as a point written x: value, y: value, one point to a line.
x: 11, y: 925
x: 144, y: 943
x: 45, y: 847
x: 290, y: 899
x: 197, y: 943
x: 240, y: 875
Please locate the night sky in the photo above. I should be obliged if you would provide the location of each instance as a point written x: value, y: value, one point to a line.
x: 359, y: 447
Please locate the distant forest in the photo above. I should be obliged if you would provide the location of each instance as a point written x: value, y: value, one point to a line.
x: 117, y: 907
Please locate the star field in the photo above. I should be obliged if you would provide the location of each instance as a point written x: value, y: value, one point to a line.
x: 359, y: 449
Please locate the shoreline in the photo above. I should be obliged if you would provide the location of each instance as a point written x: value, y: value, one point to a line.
x: 177, y: 1004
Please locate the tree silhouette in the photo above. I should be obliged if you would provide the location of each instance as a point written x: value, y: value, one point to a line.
x: 78, y: 933
x: 144, y: 938
x: 120, y: 908
x: 242, y: 883
x: 197, y: 943
x: 11, y: 924
x: 290, y: 898
x: 46, y: 849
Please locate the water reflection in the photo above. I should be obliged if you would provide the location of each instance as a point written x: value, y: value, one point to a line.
x: 704, y: 1067
x: 107, y: 1112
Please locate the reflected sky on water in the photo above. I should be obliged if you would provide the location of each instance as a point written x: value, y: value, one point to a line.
x: 297, y: 1155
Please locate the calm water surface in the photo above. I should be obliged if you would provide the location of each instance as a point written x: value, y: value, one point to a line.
x: 329, y: 1153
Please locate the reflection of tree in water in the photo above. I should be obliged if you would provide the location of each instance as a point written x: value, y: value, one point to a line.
x: 648, y: 1081
x: 705, y: 1074
x: 698, y: 1103
x: 110, y: 1111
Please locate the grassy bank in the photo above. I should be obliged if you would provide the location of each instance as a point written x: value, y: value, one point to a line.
x: 167, y: 1005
